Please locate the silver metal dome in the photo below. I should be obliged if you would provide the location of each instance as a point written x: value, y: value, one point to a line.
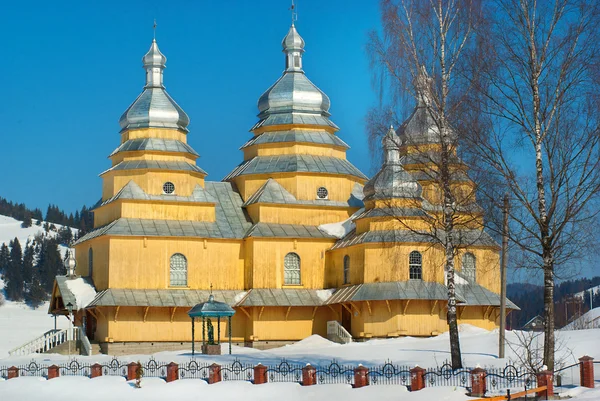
x: 294, y: 92
x: 154, y: 107
x: 392, y: 181
x: 293, y: 40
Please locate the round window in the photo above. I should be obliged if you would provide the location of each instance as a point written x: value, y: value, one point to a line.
x: 322, y: 193
x: 168, y: 188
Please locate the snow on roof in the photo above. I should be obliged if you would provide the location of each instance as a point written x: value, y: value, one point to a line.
x: 582, y: 293
x: 83, y: 292
x: 342, y: 228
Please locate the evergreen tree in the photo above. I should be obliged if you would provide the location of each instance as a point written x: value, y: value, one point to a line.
x: 13, y: 277
x: 28, y: 263
x: 4, y: 259
x: 36, y: 294
x: 27, y: 221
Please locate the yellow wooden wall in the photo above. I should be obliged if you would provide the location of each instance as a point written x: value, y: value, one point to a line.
x: 147, y: 155
x: 159, y: 210
x: 151, y: 181
x: 130, y: 326
x: 335, y: 266
x: 143, y: 263
x: 270, y: 323
x: 162, y: 133
x: 101, y: 253
x: 298, y: 214
x: 269, y: 253
x: 415, y: 318
x: 302, y: 185
x: 291, y: 148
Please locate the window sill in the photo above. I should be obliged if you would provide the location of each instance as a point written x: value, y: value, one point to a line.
x: 178, y: 287
x: 293, y: 286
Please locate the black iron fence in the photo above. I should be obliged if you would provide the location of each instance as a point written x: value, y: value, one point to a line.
x: 334, y: 373
x: 446, y: 376
x: 285, y: 372
x: 388, y: 373
x: 237, y: 371
x: 510, y: 376
x: 497, y: 379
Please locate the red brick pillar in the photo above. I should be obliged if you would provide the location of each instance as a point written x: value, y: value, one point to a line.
x: 172, y: 372
x: 132, y: 369
x: 95, y: 370
x: 544, y: 378
x: 586, y: 371
x: 478, y: 382
x: 13, y: 372
x: 417, y: 378
x: 361, y: 376
x: 214, y: 373
x: 53, y: 372
x: 309, y: 375
x: 260, y: 374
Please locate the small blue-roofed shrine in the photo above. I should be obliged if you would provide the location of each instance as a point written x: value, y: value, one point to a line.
x: 206, y: 311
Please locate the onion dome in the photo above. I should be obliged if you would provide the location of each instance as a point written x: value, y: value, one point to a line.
x: 294, y: 99
x: 392, y: 181
x: 154, y: 107
x: 420, y: 127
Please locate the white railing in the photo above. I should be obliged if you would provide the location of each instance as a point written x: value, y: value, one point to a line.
x: 46, y: 341
x: 337, y: 333
x: 86, y: 347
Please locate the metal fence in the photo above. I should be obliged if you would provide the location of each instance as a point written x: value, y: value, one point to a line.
x: 498, y: 379
x: 285, y: 372
x: 193, y: 370
x: 237, y: 371
x: 334, y: 373
x: 446, y: 376
x: 510, y: 376
x: 389, y: 373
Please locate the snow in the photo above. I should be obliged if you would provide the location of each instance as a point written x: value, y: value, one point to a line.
x: 589, y: 320
x: 240, y: 296
x: 479, y: 346
x: 341, y: 229
x: 19, y: 324
x: 582, y: 293
x: 324, y: 295
x: 84, y: 293
x: 11, y: 228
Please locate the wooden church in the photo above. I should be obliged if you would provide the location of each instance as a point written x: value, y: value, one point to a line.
x: 295, y: 238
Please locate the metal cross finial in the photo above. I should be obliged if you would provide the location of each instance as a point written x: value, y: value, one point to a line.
x: 211, y: 288
x: 154, y: 28
x: 294, y: 13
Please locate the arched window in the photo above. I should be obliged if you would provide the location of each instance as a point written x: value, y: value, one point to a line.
x: 178, y: 270
x: 468, y: 267
x: 346, y: 269
x: 415, y: 266
x: 90, y: 262
x: 291, y: 269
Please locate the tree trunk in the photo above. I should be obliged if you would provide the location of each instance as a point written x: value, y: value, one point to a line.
x: 548, y: 310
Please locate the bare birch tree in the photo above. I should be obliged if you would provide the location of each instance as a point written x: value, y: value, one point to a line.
x: 421, y: 53
x: 538, y: 137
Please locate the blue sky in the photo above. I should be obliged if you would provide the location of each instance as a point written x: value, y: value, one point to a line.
x: 71, y: 68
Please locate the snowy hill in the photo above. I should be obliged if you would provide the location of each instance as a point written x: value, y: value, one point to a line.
x: 11, y: 228
x: 20, y: 323
x: 589, y: 320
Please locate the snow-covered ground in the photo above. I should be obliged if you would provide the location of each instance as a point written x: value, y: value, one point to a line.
x: 11, y: 229
x: 19, y: 324
x: 589, y: 320
x: 478, y: 347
